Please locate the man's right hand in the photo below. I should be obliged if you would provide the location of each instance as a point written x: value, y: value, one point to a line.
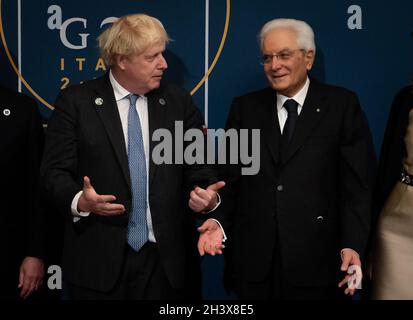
x: 90, y: 201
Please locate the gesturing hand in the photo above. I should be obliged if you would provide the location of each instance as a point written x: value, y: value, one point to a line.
x: 90, y: 201
x: 201, y: 200
x: 210, y: 238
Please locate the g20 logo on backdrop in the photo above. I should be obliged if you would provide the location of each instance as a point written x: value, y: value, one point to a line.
x: 56, y: 22
x: 54, y: 44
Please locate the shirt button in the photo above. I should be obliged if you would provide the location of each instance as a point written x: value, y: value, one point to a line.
x: 280, y: 188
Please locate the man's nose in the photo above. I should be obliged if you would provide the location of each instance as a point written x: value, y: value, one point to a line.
x: 275, y: 63
x: 162, y: 62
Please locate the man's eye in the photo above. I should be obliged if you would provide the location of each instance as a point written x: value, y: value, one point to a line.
x: 285, y: 55
x: 266, y: 57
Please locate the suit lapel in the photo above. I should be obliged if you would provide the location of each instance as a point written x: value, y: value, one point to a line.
x: 157, y: 109
x: 107, y: 109
x: 271, y: 125
x: 313, y: 110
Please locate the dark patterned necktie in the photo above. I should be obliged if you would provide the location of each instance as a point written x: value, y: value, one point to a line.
x: 292, y: 108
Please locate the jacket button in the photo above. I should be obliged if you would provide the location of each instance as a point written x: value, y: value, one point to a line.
x: 280, y: 188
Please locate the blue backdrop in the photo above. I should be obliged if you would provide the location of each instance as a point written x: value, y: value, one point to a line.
x: 363, y: 45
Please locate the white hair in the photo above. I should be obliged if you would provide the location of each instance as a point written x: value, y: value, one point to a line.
x: 304, y: 33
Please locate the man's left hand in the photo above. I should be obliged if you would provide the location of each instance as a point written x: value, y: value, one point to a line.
x: 351, y: 258
x: 210, y: 238
x: 202, y: 200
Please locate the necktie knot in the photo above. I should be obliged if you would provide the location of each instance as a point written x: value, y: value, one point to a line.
x: 291, y: 106
x: 132, y: 99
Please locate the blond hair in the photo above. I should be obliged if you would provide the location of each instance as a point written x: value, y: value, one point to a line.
x: 129, y: 35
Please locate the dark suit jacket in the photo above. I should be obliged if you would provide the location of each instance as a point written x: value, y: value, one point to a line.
x: 312, y: 197
x: 86, y: 139
x: 21, y: 143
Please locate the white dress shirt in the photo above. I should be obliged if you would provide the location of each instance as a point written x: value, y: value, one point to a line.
x: 299, y: 98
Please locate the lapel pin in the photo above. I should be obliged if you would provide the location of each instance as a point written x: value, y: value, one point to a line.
x: 6, y: 112
x: 98, y: 101
x: 162, y: 102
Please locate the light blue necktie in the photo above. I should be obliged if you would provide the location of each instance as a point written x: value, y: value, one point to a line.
x: 137, y: 227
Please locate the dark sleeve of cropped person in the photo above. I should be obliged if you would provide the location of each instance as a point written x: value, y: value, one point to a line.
x: 22, y: 236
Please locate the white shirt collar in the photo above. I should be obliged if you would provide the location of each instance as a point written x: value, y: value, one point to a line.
x: 119, y: 91
x: 299, y: 97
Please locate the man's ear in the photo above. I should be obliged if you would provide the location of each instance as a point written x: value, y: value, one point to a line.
x: 121, y: 61
x: 309, y: 56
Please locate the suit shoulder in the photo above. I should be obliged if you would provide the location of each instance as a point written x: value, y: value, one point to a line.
x: 402, y: 103
x: 256, y: 95
x: 171, y: 89
x: 252, y: 103
x: 18, y: 102
x: 255, y: 100
x: 405, y: 94
x: 81, y: 87
x: 16, y: 97
x: 334, y: 90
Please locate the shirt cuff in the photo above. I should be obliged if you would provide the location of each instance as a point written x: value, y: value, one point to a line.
x: 216, y: 206
x: 223, y: 232
x: 76, y: 214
